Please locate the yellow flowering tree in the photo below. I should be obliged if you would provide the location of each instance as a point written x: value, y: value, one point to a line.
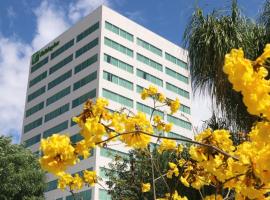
x: 235, y: 171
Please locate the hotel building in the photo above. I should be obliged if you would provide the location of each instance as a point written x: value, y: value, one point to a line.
x: 103, y: 55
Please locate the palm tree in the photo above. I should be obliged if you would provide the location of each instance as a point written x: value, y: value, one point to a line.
x: 208, y: 38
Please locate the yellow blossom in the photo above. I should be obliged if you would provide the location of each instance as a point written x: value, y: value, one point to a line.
x: 146, y: 187
x: 58, y: 153
x: 174, y: 105
x: 167, y: 145
x: 90, y: 177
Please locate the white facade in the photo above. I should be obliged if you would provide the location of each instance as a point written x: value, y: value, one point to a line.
x: 178, y: 83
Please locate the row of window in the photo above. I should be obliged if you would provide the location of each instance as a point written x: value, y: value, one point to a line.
x: 87, y: 31
x: 38, y: 78
x: 175, y: 60
x: 87, y: 79
x: 87, y: 63
x: 58, y: 95
x: 39, y: 64
x: 149, y: 47
x: 80, y: 100
x: 117, y: 80
x: 59, y: 79
x: 176, y: 75
x: 61, y: 49
x: 112, y: 153
x: 56, y: 129
x: 177, y: 90
x: 32, y: 141
x: 118, y: 47
x: 179, y: 122
x: 118, y: 63
x: 61, y: 64
x: 55, y: 113
x: 34, y: 109
x: 149, y: 62
x: 86, y: 48
x: 117, y: 98
x: 32, y: 125
x: 148, y: 110
x: 119, y: 31
x: 36, y: 93
x: 149, y: 77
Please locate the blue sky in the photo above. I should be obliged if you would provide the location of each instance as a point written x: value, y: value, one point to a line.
x: 28, y: 25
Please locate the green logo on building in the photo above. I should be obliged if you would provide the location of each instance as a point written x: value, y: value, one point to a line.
x: 38, y: 54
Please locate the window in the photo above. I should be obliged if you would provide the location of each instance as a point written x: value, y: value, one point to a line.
x: 117, y: 98
x: 61, y: 64
x: 85, y: 80
x: 177, y: 90
x: 149, y: 77
x: 76, y: 138
x: 118, y: 63
x: 86, y: 47
x: 117, y: 80
x: 118, y: 47
x: 179, y: 122
x: 39, y: 64
x: 149, y: 62
x: 72, y: 123
x: 112, y: 153
x: 175, y: 135
x: 32, y: 125
x: 175, y: 60
x: 38, y: 79
x: 57, y: 112
x: 176, y: 75
x: 85, y: 195
x: 52, y: 185
x: 31, y: 141
x: 62, y: 49
x: 59, y: 79
x: 58, y: 96
x: 139, y: 89
x: 149, y: 47
x: 119, y: 31
x: 86, y: 63
x: 88, y: 31
x: 148, y: 110
x: 56, y: 129
x: 35, y: 94
x: 80, y: 100
x: 34, y: 109
x: 185, y: 109
x: 103, y: 195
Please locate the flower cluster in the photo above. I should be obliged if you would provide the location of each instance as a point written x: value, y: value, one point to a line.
x: 249, y: 78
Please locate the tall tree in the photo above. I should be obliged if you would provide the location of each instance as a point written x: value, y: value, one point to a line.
x: 21, y: 177
x: 127, y: 174
x: 208, y: 38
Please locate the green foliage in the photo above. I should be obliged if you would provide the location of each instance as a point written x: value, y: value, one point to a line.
x: 127, y: 174
x: 21, y: 177
x: 208, y: 38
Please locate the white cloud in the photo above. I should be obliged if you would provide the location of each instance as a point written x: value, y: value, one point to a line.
x: 14, y: 60
x: 81, y: 8
x: 50, y: 23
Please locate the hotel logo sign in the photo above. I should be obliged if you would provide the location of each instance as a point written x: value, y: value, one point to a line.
x: 38, y: 54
